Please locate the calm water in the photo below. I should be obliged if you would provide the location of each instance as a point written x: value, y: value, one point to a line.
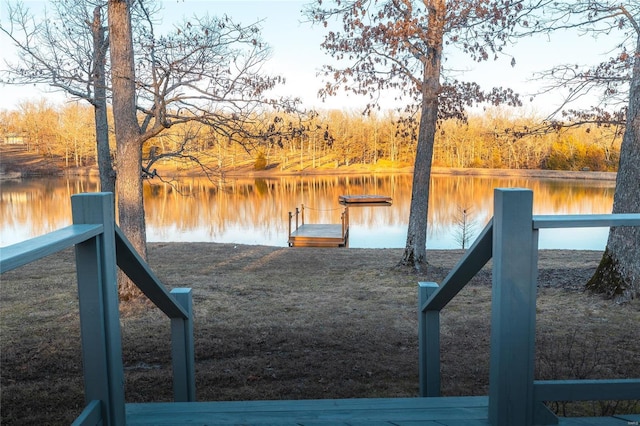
x: 255, y: 211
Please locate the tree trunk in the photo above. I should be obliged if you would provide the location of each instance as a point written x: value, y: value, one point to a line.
x: 415, y: 252
x: 105, y: 167
x: 618, y: 274
x: 127, y: 130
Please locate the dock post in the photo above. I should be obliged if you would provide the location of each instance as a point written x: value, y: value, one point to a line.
x: 344, y: 219
x: 346, y: 211
x: 513, y: 310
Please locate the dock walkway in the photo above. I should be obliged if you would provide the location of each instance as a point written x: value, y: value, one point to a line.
x: 318, y: 235
x: 330, y: 235
x: 365, y: 200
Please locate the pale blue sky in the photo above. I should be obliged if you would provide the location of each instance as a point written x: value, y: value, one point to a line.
x: 298, y: 57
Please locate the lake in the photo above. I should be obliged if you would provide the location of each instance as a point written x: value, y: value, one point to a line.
x: 255, y: 210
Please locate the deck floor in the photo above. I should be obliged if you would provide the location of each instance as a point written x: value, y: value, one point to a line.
x: 318, y: 235
x: 448, y: 411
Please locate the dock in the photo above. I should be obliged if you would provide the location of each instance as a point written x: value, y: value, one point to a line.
x: 318, y: 235
x: 365, y: 200
x: 330, y: 235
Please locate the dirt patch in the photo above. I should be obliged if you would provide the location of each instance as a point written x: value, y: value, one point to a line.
x: 283, y: 323
x: 16, y: 161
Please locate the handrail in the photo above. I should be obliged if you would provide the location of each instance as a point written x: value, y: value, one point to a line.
x: 297, y: 221
x: 585, y: 221
x: 19, y: 254
x: 471, y: 263
x: 100, y: 248
x: 511, y: 237
x: 90, y: 416
x: 585, y: 389
x: 132, y: 264
x: 433, y: 298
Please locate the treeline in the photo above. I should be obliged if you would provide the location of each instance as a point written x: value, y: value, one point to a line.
x: 64, y: 131
x: 330, y: 139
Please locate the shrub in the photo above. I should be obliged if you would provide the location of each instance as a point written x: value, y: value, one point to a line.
x: 261, y: 162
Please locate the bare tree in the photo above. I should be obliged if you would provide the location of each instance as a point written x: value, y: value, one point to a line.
x: 616, y: 80
x: 398, y: 45
x: 66, y: 50
x: 208, y: 71
x: 464, y: 227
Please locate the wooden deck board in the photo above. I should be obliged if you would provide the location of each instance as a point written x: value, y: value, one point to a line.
x: 318, y: 231
x: 447, y: 411
x: 595, y: 421
x: 397, y: 411
x: 365, y: 200
x: 318, y: 235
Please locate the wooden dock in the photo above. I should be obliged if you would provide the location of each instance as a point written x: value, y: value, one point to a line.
x: 318, y: 235
x: 442, y: 411
x: 330, y: 235
x: 365, y: 200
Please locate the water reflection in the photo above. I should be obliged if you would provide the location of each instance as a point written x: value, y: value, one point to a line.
x: 255, y: 211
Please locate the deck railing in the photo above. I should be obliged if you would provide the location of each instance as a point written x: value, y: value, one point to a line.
x: 100, y: 247
x: 511, y: 239
x: 299, y: 219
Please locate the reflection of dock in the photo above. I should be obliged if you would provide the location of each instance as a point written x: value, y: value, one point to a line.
x: 318, y: 235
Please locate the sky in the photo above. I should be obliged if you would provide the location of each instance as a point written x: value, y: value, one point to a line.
x: 296, y: 55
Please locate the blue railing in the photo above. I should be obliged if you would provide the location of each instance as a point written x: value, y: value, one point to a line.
x: 511, y: 240
x: 100, y: 248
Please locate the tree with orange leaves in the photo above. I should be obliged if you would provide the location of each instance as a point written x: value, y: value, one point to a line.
x: 399, y: 45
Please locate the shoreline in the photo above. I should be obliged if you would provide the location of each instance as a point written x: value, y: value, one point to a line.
x: 533, y: 173
x: 435, y: 171
x: 19, y: 164
x: 437, y: 252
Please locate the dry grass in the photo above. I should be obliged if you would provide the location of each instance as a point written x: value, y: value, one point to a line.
x: 281, y: 323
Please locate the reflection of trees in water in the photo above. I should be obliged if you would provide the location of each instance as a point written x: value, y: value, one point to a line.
x: 261, y: 205
x: 40, y: 205
x: 264, y: 203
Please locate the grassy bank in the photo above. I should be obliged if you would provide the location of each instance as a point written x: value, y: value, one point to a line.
x: 17, y: 162
x: 282, y: 323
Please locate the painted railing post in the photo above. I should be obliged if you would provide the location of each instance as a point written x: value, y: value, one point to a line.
x: 515, y: 258
x: 98, y: 302
x: 182, y: 351
x: 428, y: 342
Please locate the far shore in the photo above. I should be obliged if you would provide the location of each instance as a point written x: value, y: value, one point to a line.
x: 17, y: 164
x: 366, y: 170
